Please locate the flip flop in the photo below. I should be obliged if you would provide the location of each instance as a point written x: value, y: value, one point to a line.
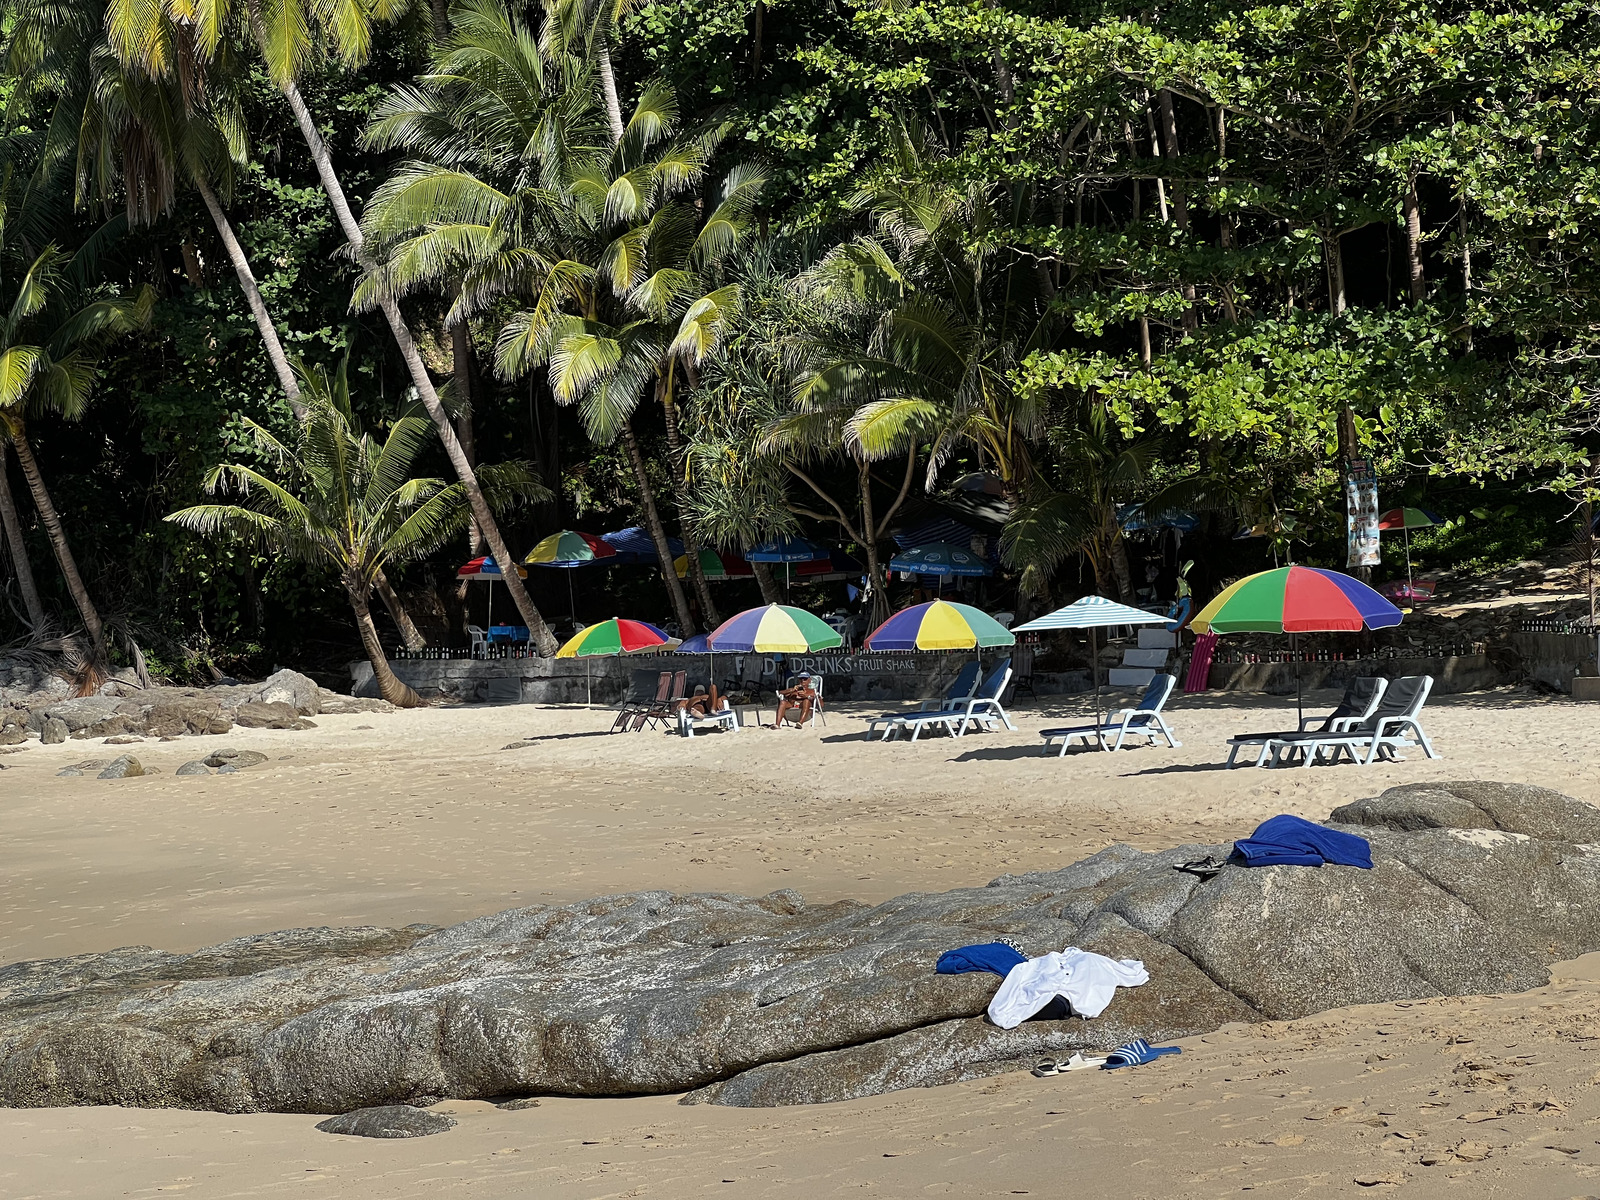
x: 1203, y: 867
x: 1079, y: 1063
x: 1047, y: 1068
x: 1137, y: 1053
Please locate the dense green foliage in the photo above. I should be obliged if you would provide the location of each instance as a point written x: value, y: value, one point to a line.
x: 815, y: 263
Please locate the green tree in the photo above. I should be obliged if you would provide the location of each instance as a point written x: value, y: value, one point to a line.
x: 288, y: 34
x: 342, y: 499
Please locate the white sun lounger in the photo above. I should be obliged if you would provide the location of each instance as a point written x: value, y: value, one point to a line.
x: 958, y: 693
x: 983, y: 710
x: 1143, y: 720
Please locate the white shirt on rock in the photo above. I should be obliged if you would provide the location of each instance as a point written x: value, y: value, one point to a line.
x: 1088, y: 981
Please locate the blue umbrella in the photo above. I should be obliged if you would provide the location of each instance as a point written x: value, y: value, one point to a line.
x: 939, y: 558
x: 786, y: 551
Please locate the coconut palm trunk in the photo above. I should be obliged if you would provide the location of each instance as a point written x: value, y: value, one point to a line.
x: 658, y: 532
x: 18, y: 432
x: 390, y: 686
x: 286, y: 380
x: 19, y: 549
x: 767, y: 581
x: 691, y: 544
x: 608, y: 88
x: 539, y: 633
x: 252, y: 294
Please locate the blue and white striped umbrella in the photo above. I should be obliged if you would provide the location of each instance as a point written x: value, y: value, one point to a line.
x: 1092, y: 612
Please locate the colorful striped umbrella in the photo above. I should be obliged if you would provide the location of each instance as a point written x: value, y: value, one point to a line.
x: 1293, y: 600
x: 714, y: 566
x: 1409, y: 518
x: 616, y: 636
x: 486, y: 568
x: 1405, y: 520
x: 1296, y: 599
x: 569, y: 548
x: 939, y: 625
x: 773, y: 629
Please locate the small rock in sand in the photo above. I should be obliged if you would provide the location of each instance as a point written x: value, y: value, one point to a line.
x: 227, y: 769
x: 518, y: 1105
x: 193, y: 768
x: 54, y: 731
x: 125, y: 767
x: 388, y: 1121
x: 237, y: 759
x: 123, y: 739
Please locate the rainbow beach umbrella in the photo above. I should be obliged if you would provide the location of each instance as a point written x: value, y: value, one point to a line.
x: 773, y: 629
x: 939, y: 625
x: 616, y: 636
x: 569, y: 549
x: 1405, y: 520
x: 486, y: 568
x: 1296, y: 599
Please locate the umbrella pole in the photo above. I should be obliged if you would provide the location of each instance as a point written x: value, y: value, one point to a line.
x: 1299, y: 695
x: 572, y: 604
x: 1410, y: 597
x: 491, y: 604
x: 588, y: 686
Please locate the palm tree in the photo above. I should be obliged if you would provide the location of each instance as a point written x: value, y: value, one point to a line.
x: 49, y: 363
x: 511, y: 196
x: 341, y: 498
x: 588, y: 29
x: 287, y: 35
x: 21, y: 567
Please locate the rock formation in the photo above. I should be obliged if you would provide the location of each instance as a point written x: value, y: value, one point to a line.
x: 1477, y: 887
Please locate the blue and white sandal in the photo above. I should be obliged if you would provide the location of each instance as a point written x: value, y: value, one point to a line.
x: 1137, y: 1053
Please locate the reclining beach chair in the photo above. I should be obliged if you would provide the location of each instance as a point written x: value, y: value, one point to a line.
x: 1392, y: 726
x: 665, y: 710
x: 983, y: 710
x: 639, y: 699
x: 1144, y: 719
x: 958, y: 693
x: 1361, y: 697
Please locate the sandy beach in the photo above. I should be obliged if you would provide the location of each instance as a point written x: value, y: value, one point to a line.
x: 436, y: 815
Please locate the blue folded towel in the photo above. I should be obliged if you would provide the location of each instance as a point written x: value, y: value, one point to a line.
x: 1136, y: 1054
x: 991, y: 956
x: 1293, y: 841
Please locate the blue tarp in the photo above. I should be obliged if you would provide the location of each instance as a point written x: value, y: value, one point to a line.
x: 633, y: 545
x: 1293, y: 841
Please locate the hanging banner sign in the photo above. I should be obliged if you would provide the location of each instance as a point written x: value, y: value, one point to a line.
x: 1361, y: 514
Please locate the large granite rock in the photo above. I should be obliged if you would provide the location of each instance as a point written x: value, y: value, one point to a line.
x: 775, y: 1001
x: 289, y: 687
x: 177, y: 714
x: 389, y: 1121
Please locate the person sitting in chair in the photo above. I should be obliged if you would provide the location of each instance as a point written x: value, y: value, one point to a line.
x: 800, y: 697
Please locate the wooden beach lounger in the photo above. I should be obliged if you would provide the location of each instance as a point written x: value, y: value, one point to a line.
x: 1361, y: 697
x: 1143, y: 720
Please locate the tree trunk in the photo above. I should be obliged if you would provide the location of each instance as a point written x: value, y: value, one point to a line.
x: 1413, y: 227
x: 1120, y: 568
x: 1335, y: 255
x: 608, y: 87
x: 397, y: 611
x: 1180, y: 199
x: 252, y: 294
x: 876, y: 575
x: 539, y: 632
x: 286, y: 378
x: 771, y: 590
x: 658, y: 533
x: 462, y: 375
x: 191, y: 265
x: 441, y: 19
x: 58, y: 537
x: 390, y: 687
x: 19, y: 550
x: 755, y: 38
x: 691, y: 543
